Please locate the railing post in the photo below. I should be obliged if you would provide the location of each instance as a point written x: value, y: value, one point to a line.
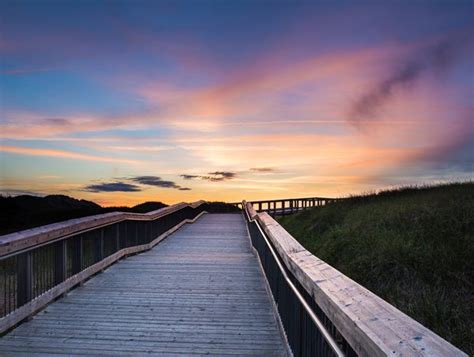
x: 260, y: 206
x: 100, y: 246
x: 24, y: 278
x: 117, y: 237
x: 77, y: 260
x: 60, y: 263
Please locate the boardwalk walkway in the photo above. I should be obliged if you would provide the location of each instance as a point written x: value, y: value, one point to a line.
x: 200, y: 291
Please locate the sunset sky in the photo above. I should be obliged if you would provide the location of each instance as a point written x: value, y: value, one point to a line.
x: 121, y: 102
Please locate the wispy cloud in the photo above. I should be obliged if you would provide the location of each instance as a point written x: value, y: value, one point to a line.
x: 263, y: 169
x: 62, y: 154
x: 436, y: 58
x: 215, y: 176
x: 49, y: 177
x: 20, y: 71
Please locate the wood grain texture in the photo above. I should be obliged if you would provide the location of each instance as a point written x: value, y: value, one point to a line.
x: 17, y: 241
x: 41, y: 301
x: 370, y: 325
x: 198, y: 292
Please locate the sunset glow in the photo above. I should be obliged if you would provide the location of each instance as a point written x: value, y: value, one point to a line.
x: 220, y: 100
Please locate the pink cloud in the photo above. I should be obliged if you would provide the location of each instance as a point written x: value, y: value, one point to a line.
x: 62, y: 154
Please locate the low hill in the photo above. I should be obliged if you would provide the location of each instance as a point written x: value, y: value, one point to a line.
x: 414, y: 247
x: 24, y: 212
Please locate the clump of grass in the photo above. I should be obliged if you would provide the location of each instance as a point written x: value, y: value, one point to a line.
x: 414, y: 247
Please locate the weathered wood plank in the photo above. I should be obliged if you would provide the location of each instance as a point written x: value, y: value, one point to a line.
x: 17, y: 241
x: 198, y: 292
x: 38, y: 303
x: 372, y: 326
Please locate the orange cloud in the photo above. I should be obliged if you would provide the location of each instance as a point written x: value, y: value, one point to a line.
x: 62, y: 154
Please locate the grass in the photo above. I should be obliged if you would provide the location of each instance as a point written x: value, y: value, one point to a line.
x: 414, y: 247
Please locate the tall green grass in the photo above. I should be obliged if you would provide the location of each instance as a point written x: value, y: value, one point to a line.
x: 414, y: 247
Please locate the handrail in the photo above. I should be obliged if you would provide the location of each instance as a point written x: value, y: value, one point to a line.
x: 290, y: 199
x: 22, y: 240
x: 40, y: 264
x: 370, y: 325
x: 279, y: 207
x: 251, y: 216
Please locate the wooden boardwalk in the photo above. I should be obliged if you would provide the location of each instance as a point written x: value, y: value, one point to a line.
x: 200, y: 291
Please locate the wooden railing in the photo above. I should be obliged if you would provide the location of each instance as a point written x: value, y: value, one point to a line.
x: 40, y: 264
x: 284, y: 206
x: 359, y: 321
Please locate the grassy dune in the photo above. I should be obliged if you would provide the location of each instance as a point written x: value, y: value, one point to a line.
x: 414, y: 247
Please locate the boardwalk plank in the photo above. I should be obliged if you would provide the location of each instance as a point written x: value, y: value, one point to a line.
x: 200, y: 291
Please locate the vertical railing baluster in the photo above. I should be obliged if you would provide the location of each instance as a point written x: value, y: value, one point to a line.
x: 24, y: 278
x: 117, y: 237
x: 77, y: 262
x: 60, y: 263
x: 100, y: 246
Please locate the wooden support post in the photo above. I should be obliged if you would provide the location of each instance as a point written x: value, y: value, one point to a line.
x: 60, y: 257
x: 260, y: 206
x: 117, y: 237
x: 24, y: 278
x: 100, y: 246
x: 78, y: 254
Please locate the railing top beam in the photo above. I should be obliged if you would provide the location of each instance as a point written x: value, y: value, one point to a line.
x: 28, y: 238
x: 291, y: 199
x: 372, y: 326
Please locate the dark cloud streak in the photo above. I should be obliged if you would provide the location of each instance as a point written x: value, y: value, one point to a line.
x: 157, y: 182
x: 136, y: 186
x: 112, y: 187
x: 436, y: 58
x: 262, y: 169
x: 154, y: 181
x: 215, y: 176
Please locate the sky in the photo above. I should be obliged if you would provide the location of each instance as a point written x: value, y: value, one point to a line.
x: 122, y: 102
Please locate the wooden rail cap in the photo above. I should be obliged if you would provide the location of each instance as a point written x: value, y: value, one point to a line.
x: 370, y: 325
x: 17, y: 241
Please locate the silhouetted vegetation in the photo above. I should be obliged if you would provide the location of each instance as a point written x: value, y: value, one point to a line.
x: 413, y: 247
x: 221, y: 207
x: 24, y: 212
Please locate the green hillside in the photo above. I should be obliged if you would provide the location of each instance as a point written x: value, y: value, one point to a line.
x: 414, y: 247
